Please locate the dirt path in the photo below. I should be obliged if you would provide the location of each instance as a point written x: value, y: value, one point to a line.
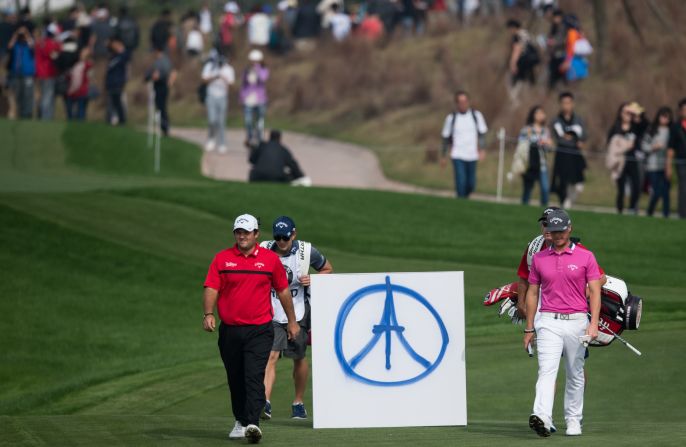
x: 327, y: 162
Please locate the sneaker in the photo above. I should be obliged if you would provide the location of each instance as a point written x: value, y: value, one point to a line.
x: 298, y: 411
x: 222, y: 149
x: 267, y: 411
x: 238, y: 431
x: 573, y: 428
x: 253, y: 433
x: 537, y: 425
x: 209, y: 146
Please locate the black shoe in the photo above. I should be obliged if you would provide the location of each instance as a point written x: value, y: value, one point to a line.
x: 537, y: 425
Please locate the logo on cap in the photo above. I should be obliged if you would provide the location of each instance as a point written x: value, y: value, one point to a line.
x: 281, y: 225
x: 556, y: 220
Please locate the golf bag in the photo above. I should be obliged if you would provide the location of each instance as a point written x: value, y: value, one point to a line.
x: 619, y: 309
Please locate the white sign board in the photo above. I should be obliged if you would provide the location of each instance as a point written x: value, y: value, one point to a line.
x: 388, y: 350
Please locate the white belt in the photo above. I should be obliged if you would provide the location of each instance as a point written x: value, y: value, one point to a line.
x: 556, y: 316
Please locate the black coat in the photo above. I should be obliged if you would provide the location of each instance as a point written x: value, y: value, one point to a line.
x: 273, y: 162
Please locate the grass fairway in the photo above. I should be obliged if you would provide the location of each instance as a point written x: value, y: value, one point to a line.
x: 103, y: 264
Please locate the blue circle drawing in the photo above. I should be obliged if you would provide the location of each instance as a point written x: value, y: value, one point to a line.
x: 388, y: 325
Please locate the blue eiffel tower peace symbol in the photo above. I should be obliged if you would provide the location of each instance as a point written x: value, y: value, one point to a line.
x: 387, y: 326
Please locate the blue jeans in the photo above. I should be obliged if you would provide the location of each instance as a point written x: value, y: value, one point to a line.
x: 76, y: 108
x: 529, y: 183
x: 216, y: 117
x: 660, y: 190
x: 465, y: 177
x: 47, y: 98
x: 254, y: 122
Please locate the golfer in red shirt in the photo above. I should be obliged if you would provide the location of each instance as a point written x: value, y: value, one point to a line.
x: 239, y: 283
x: 561, y: 273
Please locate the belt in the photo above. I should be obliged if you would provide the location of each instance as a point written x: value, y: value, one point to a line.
x: 557, y: 316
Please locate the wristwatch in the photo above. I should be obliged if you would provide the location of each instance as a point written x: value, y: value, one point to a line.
x: 208, y: 313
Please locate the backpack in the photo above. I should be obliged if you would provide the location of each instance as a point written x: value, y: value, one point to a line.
x: 530, y: 57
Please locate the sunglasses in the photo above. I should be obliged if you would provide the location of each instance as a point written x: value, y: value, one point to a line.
x: 282, y: 238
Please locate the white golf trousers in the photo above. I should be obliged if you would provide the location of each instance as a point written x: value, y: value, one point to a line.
x: 553, y: 337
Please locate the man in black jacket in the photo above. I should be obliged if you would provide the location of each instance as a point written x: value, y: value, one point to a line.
x: 115, y: 81
x: 273, y: 162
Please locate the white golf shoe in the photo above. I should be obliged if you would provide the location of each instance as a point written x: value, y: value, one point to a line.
x: 238, y: 431
x: 253, y: 434
x: 573, y: 428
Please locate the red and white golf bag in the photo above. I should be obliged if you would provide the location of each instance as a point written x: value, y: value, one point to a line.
x: 619, y: 309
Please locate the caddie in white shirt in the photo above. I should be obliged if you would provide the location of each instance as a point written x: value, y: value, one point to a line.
x: 297, y: 257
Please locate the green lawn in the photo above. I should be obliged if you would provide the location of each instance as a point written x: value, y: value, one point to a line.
x: 103, y: 263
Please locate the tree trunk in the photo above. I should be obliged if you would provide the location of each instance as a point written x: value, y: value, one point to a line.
x: 600, y: 22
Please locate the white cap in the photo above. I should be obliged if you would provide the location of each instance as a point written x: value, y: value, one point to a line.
x: 232, y: 7
x: 245, y: 222
x: 255, y: 56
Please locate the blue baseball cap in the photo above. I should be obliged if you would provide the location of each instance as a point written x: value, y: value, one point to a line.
x: 283, y: 226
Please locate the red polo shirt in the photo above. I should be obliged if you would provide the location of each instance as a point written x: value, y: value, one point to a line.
x: 244, y: 284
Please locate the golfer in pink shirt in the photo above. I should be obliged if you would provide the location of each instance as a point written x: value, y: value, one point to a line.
x: 561, y: 273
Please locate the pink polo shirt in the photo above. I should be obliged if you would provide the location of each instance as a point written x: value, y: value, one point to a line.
x: 563, y: 278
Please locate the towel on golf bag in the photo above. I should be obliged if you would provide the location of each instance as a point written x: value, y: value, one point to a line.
x: 619, y: 309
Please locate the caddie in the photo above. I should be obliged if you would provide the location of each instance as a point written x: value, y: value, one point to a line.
x: 561, y: 273
x: 297, y: 257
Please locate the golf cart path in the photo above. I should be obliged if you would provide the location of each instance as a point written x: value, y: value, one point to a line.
x: 327, y: 162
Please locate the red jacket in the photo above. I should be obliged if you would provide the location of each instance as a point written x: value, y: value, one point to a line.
x: 45, y: 63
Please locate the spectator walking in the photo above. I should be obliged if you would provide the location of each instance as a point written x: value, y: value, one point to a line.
x: 307, y: 25
x: 523, y: 59
x: 297, y: 256
x: 341, y: 25
x: 539, y: 141
x: 569, y: 134
x: 102, y: 33
x: 194, y: 42
x: 230, y: 21
x: 239, y: 283
x: 76, y: 98
x: 218, y: 75
x: 254, y: 97
x: 47, y: 50
x: 655, y: 143
x: 259, y: 27
x: 115, y: 81
x: 676, y: 155
x: 161, y: 31
x: 557, y: 48
x: 577, y: 50
x: 630, y: 124
x: 205, y: 18
x: 163, y: 76
x: 464, y: 132
x: 127, y: 30
x: 273, y: 162
x: 22, y: 70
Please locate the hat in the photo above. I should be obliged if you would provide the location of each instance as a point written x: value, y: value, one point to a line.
x: 232, y: 7
x: 255, y: 56
x: 547, y: 211
x: 283, y: 226
x: 246, y: 222
x: 558, y: 220
x: 635, y: 108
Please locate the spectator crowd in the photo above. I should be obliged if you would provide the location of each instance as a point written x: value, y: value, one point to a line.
x: 58, y: 60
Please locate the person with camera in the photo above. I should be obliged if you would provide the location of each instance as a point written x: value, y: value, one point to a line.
x: 569, y: 134
x: 22, y: 70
